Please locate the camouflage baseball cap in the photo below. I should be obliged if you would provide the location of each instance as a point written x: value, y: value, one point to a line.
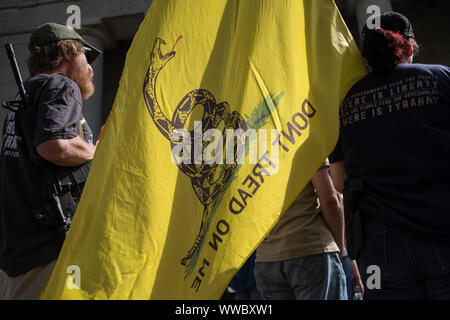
x: 51, y: 32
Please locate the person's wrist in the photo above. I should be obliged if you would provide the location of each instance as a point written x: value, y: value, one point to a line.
x: 343, y: 253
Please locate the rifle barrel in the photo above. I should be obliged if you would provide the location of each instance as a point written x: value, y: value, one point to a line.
x: 15, y: 67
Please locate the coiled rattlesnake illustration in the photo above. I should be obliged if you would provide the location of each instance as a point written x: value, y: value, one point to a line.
x: 208, y: 180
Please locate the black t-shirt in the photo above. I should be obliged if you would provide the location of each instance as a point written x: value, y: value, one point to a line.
x: 395, y: 135
x: 24, y: 244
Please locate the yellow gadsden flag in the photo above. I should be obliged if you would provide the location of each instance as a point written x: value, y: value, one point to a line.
x: 225, y: 110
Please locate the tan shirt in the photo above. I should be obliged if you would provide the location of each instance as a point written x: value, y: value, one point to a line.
x: 300, y: 232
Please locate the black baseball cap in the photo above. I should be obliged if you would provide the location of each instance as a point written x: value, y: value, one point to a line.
x: 392, y: 21
x: 52, y: 32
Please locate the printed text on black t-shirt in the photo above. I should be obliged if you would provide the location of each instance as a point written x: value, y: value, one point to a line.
x: 415, y: 91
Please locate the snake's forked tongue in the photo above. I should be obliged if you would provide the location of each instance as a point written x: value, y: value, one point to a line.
x: 173, y: 48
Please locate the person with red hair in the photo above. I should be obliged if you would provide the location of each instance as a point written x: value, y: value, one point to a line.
x: 391, y: 164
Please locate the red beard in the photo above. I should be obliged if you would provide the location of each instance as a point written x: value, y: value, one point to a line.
x: 82, y: 78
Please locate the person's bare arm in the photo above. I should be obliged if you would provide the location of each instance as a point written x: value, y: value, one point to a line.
x: 66, y: 152
x: 357, y: 282
x: 338, y: 175
x: 331, y: 206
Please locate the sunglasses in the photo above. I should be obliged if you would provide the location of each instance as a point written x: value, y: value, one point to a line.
x: 88, y: 53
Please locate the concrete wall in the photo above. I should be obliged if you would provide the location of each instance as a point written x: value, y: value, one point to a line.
x: 114, y: 62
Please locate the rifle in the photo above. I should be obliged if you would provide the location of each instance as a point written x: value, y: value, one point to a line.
x: 26, y: 116
x: 22, y: 107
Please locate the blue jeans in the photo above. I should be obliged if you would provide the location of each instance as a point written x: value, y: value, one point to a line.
x: 316, y: 277
x: 410, y: 269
